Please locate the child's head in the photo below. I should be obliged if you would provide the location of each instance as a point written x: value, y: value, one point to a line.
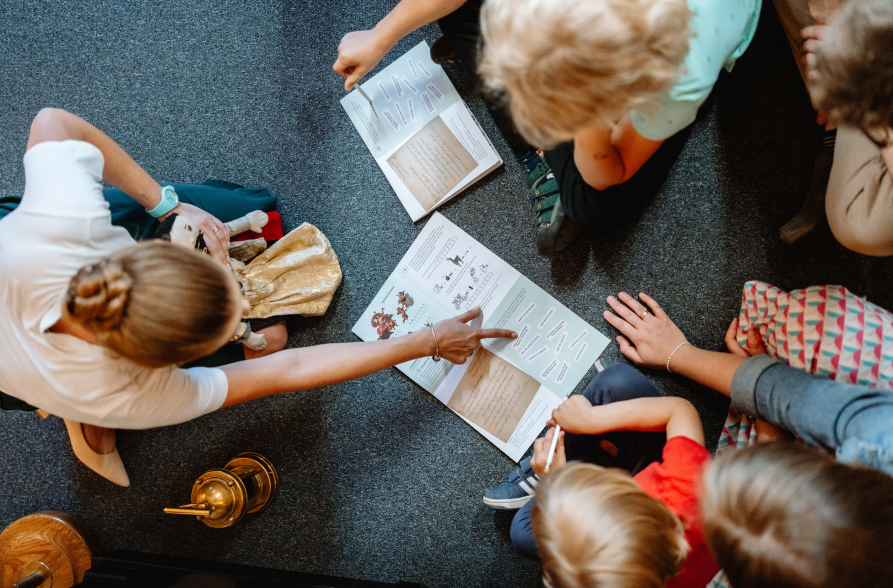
x: 782, y: 515
x: 853, y: 76
x: 565, y: 64
x: 596, y: 527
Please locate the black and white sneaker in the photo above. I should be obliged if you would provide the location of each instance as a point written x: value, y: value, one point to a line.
x: 515, y: 493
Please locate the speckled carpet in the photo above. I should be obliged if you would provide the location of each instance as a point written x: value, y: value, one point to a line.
x: 379, y: 480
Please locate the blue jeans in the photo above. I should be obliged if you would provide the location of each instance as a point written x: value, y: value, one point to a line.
x: 635, y: 449
x: 852, y: 421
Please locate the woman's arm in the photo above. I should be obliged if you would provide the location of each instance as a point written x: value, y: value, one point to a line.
x: 610, y: 155
x: 122, y: 172
x: 360, y: 51
x: 313, y: 367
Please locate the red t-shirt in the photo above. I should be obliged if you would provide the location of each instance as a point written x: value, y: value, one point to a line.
x: 676, y: 483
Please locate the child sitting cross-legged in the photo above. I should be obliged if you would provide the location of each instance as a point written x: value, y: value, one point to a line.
x: 625, y: 513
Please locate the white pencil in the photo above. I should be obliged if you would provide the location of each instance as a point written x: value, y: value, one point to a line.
x: 368, y: 99
x: 552, y: 449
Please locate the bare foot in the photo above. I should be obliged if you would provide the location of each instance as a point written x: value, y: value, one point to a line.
x: 277, y: 337
x: 100, y: 439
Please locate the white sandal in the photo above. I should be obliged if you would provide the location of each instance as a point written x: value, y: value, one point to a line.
x: 108, y: 465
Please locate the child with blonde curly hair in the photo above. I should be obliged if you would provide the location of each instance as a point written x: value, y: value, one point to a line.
x: 604, y: 84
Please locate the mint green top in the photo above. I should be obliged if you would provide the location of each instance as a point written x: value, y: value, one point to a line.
x: 723, y: 30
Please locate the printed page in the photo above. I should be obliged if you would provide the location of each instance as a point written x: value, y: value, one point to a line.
x: 399, y: 309
x: 407, y: 95
x: 500, y: 401
x: 456, y: 271
x: 461, y: 123
x: 554, y: 345
x: 431, y: 163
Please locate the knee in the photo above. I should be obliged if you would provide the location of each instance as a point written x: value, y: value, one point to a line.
x: 276, y: 336
x: 618, y: 382
x: 522, y: 534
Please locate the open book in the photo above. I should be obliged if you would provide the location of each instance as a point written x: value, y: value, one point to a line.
x: 508, y: 389
x: 423, y: 136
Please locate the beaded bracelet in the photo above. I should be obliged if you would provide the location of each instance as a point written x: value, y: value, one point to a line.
x: 674, y: 352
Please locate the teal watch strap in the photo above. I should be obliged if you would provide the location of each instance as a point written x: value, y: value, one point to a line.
x: 169, y: 201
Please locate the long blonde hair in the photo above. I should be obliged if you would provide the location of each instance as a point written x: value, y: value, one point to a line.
x: 562, y: 65
x: 596, y: 527
x: 154, y: 303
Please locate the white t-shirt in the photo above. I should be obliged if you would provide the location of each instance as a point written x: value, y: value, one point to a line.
x: 63, y: 224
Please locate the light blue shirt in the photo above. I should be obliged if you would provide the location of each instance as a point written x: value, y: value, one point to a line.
x: 723, y: 29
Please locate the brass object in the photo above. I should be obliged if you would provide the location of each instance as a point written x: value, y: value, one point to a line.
x: 222, y: 496
x: 47, y: 549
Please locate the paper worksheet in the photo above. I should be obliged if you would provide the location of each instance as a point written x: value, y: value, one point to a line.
x: 421, y: 133
x: 508, y: 389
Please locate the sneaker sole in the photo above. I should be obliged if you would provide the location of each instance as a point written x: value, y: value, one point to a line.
x: 506, y: 503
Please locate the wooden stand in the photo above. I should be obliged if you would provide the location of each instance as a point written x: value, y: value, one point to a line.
x: 48, y: 549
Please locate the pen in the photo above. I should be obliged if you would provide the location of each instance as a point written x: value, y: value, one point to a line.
x: 552, y: 449
x: 368, y: 99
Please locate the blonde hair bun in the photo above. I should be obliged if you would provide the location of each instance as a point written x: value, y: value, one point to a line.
x: 99, y: 294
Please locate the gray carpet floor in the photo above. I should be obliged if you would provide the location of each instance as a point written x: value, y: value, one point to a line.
x: 379, y: 480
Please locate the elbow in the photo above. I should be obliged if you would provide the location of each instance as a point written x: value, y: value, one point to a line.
x: 48, y: 125
x: 47, y: 118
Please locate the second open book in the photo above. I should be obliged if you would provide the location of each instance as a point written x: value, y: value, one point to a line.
x: 421, y: 133
x: 508, y: 389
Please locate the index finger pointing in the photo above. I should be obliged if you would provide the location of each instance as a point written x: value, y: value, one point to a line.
x: 496, y: 334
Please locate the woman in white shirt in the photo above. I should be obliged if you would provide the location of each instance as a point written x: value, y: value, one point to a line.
x: 95, y: 325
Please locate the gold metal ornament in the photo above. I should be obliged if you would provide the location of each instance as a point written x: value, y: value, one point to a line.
x: 222, y: 496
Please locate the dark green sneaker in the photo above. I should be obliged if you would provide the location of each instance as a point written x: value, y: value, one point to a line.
x: 556, y: 229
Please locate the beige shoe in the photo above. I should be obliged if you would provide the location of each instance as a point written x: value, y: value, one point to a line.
x: 108, y: 465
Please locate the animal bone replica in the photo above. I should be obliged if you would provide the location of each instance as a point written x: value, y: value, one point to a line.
x: 297, y: 275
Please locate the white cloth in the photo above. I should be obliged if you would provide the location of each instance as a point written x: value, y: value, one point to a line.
x: 63, y: 224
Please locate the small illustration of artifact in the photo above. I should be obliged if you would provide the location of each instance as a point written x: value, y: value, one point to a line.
x: 384, y: 324
x: 459, y: 299
x: 456, y: 261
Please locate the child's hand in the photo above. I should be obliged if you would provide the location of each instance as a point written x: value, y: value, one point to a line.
x: 358, y: 53
x: 574, y: 415
x: 754, y: 343
x: 653, y: 335
x: 541, y: 453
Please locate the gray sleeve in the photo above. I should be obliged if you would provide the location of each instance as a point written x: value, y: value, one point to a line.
x: 824, y: 412
x: 744, y: 383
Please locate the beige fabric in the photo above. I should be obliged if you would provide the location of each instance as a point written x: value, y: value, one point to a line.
x: 859, y: 201
x: 795, y: 15
x: 297, y: 275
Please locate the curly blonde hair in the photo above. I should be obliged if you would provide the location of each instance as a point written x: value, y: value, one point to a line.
x: 561, y: 65
x: 597, y: 527
x: 155, y: 303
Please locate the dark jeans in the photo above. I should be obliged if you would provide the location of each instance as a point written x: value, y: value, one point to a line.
x: 224, y: 200
x: 463, y: 29
x: 602, y: 211
x: 635, y: 449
